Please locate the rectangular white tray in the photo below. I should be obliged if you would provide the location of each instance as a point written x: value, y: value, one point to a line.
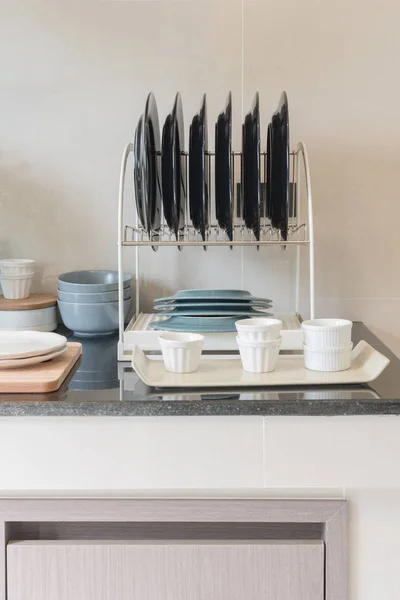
x: 138, y: 334
x: 367, y: 363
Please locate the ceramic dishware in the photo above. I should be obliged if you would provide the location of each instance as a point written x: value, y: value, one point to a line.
x: 196, y: 324
x: 259, y: 329
x: 138, y: 155
x: 43, y: 328
x: 223, y: 169
x: 147, y: 169
x: 213, y: 312
x: 327, y: 359
x: 327, y: 333
x: 17, y: 266
x: 211, y: 295
x: 278, y: 137
x: 151, y: 166
x: 214, y: 305
x: 26, y: 344
x: 17, y: 319
x: 92, y: 319
x: 88, y: 298
x: 199, y: 170
x: 33, y: 360
x: 181, y: 351
x: 173, y: 169
x: 16, y: 286
x: 366, y: 365
x: 251, y: 169
x: 91, y: 282
x: 259, y: 357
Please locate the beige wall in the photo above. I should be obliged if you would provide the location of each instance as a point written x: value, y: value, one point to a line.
x: 73, y: 79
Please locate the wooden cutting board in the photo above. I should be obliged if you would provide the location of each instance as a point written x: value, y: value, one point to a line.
x: 42, y: 378
x: 34, y: 302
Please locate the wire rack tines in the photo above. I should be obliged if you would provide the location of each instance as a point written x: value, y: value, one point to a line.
x: 215, y: 235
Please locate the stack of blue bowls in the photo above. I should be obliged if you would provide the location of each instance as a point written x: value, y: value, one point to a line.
x: 88, y: 301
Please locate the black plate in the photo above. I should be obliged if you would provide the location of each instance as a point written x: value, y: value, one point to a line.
x: 137, y: 172
x: 173, y: 169
x: 223, y: 169
x: 268, y: 170
x: 151, y: 176
x: 198, y: 171
x: 280, y: 151
x: 251, y: 169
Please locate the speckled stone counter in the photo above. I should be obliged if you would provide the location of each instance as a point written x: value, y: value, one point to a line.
x: 99, y: 386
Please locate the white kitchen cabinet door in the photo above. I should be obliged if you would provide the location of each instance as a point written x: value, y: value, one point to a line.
x: 165, y: 570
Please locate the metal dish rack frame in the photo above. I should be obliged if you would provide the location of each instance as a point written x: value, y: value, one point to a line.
x: 300, y: 233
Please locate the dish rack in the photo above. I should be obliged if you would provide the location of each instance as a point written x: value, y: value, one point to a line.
x: 300, y: 233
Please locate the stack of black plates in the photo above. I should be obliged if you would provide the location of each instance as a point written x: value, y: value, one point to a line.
x: 207, y: 310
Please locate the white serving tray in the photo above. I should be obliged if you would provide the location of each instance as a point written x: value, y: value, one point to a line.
x: 367, y: 363
x: 138, y: 334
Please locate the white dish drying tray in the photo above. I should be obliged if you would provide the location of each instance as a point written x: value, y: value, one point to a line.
x: 367, y: 364
x: 138, y: 334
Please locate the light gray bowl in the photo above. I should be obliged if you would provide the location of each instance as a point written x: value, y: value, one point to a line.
x: 92, y: 319
x: 91, y: 282
x: 93, y: 298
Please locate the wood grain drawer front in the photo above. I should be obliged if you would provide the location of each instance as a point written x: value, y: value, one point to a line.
x: 85, y: 570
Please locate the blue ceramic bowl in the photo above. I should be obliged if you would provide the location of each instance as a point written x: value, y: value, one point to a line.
x: 91, y: 282
x: 93, y: 298
x: 92, y: 319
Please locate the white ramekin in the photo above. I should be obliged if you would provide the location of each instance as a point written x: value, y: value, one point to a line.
x: 327, y: 333
x: 259, y: 357
x: 16, y: 287
x: 17, y: 266
x: 181, y: 351
x: 259, y: 329
x: 327, y: 359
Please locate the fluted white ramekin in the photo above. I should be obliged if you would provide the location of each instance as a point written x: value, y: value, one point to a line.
x: 259, y: 329
x: 17, y: 266
x: 259, y: 357
x: 327, y: 333
x: 327, y: 359
x: 181, y: 351
x: 16, y: 287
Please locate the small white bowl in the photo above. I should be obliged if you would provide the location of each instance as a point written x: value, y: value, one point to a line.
x: 259, y: 329
x: 181, y: 351
x: 259, y: 357
x: 16, y: 266
x: 327, y: 333
x: 327, y: 359
x: 16, y: 287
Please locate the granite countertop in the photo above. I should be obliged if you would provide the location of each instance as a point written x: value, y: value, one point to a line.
x: 100, y: 386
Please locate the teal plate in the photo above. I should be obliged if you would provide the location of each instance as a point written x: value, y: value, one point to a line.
x: 233, y: 307
x: 197, y: 324
x: 198, y: 312
x: 202, y: 295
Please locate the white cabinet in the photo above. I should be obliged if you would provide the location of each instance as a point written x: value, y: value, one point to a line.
x: 165, y: 570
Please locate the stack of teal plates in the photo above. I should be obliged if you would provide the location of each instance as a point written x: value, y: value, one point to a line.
x: 207, y: 310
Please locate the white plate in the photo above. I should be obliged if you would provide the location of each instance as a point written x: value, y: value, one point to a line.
x: 367, y: 363
x: 49, y: 327
x: 19, y: 319
x: 27, y: 362
x: 25, y: 344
